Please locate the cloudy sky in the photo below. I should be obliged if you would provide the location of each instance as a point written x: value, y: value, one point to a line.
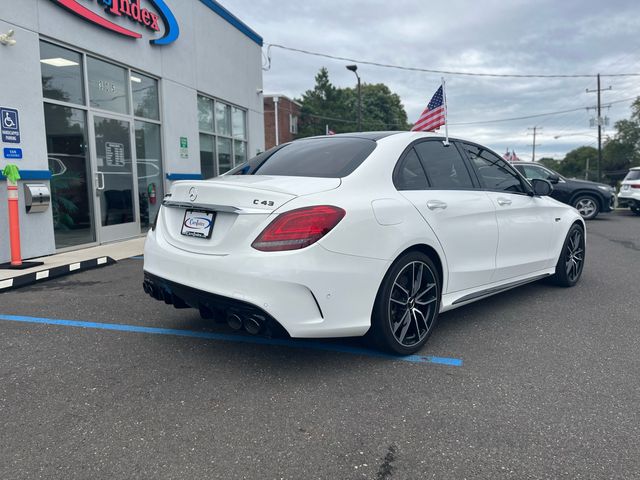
x: 492, y: 36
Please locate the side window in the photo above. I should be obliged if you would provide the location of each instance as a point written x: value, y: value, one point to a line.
x: 409, y: 173
x: 535, y: 172
x: 493, y: 171
x: 444, y: 166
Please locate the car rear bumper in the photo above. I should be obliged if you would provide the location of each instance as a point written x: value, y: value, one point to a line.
x: 310, y: 292
x: 628, y: 199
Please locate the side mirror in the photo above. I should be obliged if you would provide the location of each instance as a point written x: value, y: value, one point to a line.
x: 554, y: 178
x: 541, y: 188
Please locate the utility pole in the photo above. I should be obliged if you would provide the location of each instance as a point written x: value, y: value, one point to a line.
x: 599, y: 122
x: 535, y: 131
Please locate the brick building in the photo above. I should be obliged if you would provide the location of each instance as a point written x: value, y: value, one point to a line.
x: 280, y: 120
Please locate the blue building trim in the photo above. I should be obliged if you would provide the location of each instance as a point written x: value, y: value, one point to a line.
x: 233, y: 20
x: 184, y: 176
x: 32, y: 175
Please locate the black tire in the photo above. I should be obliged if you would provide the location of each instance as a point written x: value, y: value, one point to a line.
x: 635, y: 210
x: 588, y: 206
x: 571, y: 261
x: 404, y: 316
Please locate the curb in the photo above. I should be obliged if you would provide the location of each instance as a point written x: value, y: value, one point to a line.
x: 55, y: 272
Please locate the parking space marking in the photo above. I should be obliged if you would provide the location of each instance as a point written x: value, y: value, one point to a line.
x: 300, y: 344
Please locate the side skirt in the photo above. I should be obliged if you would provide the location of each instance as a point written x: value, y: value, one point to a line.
x: 472, y: 297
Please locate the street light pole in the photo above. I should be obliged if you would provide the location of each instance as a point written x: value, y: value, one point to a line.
x: 354, y: 69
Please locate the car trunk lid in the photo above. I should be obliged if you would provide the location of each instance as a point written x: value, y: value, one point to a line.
x: 239, y: 205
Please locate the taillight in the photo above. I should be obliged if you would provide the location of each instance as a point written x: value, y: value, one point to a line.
x: 637, y: 185
x: 298, y: 228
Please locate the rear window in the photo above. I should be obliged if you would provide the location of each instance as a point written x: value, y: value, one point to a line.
x: 318, y: 157
x: 633, y: 175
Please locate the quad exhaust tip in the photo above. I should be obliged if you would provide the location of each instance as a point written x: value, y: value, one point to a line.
x: 253, y: 324
x: 234, y: 321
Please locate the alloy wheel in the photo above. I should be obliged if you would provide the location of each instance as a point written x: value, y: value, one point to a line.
x: 413, y: 303
x: 586, y: 207
x: 574, y: 255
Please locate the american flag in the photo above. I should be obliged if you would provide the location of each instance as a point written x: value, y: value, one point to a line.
x: 433, y: 116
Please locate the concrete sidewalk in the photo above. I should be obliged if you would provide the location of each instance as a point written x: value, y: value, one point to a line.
x: 71, y: 262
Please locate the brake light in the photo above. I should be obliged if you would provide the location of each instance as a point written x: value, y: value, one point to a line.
x: 637, y: 185
x: 298, y: 228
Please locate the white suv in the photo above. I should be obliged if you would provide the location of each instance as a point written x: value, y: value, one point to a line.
x: 629, y: 195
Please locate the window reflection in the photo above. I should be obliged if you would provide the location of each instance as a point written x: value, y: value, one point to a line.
x: 61, y: 72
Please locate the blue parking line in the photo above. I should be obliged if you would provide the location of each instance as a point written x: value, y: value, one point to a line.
x: 329, y: 347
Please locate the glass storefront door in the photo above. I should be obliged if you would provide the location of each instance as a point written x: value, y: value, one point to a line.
x: 115, y: 184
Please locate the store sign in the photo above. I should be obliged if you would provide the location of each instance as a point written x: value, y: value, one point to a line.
x: 114, y: 154
x: 156, y: 20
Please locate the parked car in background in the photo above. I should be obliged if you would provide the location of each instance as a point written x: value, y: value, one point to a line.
x: 589, y: 198
x: 629, y: 195
x: 353, y: 234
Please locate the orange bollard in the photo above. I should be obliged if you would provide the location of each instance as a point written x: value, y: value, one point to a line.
x: 14, y: 214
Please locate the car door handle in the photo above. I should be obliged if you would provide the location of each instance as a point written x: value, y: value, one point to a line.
x: 504, y: 201
x: 435, y: 204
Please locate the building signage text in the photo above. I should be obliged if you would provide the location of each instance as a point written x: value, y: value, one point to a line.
x: 134, y: 11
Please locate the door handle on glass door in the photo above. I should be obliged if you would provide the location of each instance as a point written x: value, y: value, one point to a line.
x: 99, y: 181
x: 504, y: 201
x: 434, y: 204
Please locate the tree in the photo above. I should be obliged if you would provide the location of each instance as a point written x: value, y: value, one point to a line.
x: 575, y: 163
x: 338, y: 108
x: 623, y: 151
x: 549, y: 162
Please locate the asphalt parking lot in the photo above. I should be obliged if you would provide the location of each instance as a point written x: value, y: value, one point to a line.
x: 539, y: 382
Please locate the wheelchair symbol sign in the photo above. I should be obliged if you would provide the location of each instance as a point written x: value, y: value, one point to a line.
x: 10, y: 124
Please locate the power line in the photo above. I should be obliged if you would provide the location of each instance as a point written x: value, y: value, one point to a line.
x: 344, y: 120
x: 480, y: 122
x: 439, y: 72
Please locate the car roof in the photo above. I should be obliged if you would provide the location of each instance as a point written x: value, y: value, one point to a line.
x: 375, y: 136
x: 366, y: 135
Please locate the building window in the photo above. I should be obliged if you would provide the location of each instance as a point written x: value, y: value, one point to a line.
x: 108, y: 86
x: 293, y: 124
x: 223, y: 136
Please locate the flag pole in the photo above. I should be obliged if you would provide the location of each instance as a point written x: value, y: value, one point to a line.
x: 446, y: 119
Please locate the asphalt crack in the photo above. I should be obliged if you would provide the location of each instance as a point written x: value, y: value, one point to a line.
x: 386, y: 468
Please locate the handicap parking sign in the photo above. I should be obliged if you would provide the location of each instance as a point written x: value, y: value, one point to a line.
x: 10, y: 125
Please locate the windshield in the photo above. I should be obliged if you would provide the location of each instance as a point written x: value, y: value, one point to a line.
x: 633, y: 175
x: 315, y: 157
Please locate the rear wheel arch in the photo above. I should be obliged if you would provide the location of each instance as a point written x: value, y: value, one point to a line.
x: 431, y: 253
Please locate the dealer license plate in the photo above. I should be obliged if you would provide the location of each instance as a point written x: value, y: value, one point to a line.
x: 197, y: 224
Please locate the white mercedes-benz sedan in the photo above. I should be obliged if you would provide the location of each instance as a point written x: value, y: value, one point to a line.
x: 354, y: 234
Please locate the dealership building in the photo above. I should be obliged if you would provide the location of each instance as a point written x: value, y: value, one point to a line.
x: 104, y: 103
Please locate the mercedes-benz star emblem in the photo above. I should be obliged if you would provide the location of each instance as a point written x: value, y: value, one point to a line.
x: 193, y: 194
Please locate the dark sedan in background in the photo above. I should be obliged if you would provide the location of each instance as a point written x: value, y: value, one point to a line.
x: 589, y: 198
